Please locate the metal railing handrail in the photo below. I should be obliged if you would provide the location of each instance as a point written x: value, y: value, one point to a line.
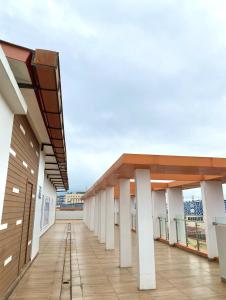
x: 163, y: 218
x: 181, y: 219
x: 196, y: 232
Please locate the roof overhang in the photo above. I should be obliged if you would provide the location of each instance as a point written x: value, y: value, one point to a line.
x: 9, y: 87
x: 37, y: 74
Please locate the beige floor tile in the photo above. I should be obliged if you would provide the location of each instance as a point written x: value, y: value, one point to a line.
x: 96, y: 274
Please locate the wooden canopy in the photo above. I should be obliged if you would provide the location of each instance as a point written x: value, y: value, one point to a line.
x: 181, y: 171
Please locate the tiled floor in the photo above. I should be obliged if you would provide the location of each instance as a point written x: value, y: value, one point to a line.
x: 96, y: 275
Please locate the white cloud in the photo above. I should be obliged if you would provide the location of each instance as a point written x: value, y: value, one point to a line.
x: 137, y: 76
x: 49, y: 14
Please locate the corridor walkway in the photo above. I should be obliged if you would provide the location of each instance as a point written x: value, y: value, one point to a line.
x: 96, y: 275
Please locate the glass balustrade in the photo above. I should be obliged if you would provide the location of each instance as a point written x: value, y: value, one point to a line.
x: 181, y: 230
x: 191, y: 234
x: 163, y: 228
x: 219, y: 221
x: 133, y: 221
x: 117, y: 217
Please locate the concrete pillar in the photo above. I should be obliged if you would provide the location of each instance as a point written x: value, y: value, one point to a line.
x: 159, y: 210
x: 102, y: 216
x: 175, y: 210
x: 221, y: 244
x: 110, y: 226
x: 133, y: 203
x: 88, y: 213
x: 213, y: 206
x: 92, y: 213
x: 145, y: 241
x: 90, y: 209
x: 125, y: 224
x: 85, y: 211
x: 96, y: 217
x: 133, y: 213
x: 99, y: 215
x: 116, y: 211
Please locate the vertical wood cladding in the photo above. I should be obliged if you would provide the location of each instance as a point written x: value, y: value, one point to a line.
x: 19, y: 202
x: 26, y: 226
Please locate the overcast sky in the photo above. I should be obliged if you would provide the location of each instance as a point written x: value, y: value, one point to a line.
x: 145, y: 76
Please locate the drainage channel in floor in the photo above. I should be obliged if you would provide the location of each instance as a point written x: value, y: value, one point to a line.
x: 66, y: 283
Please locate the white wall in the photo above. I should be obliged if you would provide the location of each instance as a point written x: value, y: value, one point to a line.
x: 48, y: 192
x: 5, y: 140
x: 38, y: 207
x: 69, y: 214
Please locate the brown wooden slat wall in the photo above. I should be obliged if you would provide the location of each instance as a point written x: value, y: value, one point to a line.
x: 14, y: 204
x: 24, y: 254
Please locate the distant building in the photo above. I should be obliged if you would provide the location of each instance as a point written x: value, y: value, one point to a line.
x: 194, y: 209
x: 70, y: 201
x: 73, y: 198
x: 60, y: 200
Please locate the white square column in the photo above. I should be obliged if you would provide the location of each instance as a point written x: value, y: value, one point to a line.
x: 221, y: 244
x: 133, y: 213
x: 116, y: 211
x: 96, y: 223
x: 88, y: 213
x: 175, y: 210
x: 145, y: 241
x: 92, y: 213
x: 125, y: 224
x: 99, y: 214
x: 159, y: 210
x: 85, y: 211
x: 110, y: 226
x: 102, y: 215
x: 213, y: 206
